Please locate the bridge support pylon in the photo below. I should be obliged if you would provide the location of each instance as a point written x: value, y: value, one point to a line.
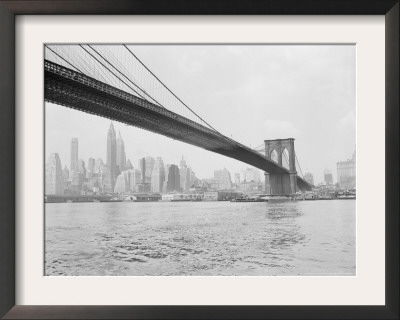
x: 281, y: 184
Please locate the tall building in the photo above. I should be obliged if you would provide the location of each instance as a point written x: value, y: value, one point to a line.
x: 107, y: 180
x: 309, y: 178
x: 157, y: 176
x: 237, y: 178
x: 91, y: 164
x: 142, y: 166
x: 149, y: 168
x: 346, y: 173
x: 65, y: 173
x: 81, y: 167
x: 165, y: 183
x: 174, y: 180
x: 74, y: 155
x: 142, y: 185
x: 77, y: 182
x: 54, y: 175
x: 134, y: 179
x: 121, y: 155
x: 98, y: 165
x: 224, y: 179
x: 111, y: 158
x: 112, y: 150
x: 122, y: 183
x: 328, y: 178
x: 192, y: 178
x: 184, y: 174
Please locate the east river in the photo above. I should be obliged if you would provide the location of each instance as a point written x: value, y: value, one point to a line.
x: 304, y: 238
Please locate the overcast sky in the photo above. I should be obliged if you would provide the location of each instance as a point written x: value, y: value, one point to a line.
x: 250, y: 93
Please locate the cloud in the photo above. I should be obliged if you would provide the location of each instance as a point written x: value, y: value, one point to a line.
x: 279, y: 129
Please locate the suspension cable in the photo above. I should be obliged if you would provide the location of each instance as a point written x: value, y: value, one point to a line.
x: 113, y: 73
x: 261, y: 145
x: 168, y: 88
x: 63, y: 58
x: 297, y: 160
x: 158, y: 103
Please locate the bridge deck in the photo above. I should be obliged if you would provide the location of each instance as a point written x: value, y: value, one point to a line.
x: 72, y: 89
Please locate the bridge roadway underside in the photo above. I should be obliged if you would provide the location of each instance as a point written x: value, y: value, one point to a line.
x: 71, y: 89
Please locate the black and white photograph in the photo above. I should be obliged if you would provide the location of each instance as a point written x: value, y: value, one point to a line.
x: 199, y: 159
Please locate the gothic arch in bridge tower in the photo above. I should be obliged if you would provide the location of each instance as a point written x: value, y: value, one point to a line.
x: 285, y: 158
x: 274, y: 156
x: 283, y: 183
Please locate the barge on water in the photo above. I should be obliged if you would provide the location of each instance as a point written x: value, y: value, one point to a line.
x: 265, y: 198
x: 80, y: 198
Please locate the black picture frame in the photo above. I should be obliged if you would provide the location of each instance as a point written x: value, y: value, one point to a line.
x: 8, y: 11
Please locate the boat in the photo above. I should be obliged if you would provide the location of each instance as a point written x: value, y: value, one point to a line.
x: 278, y: 198
x: 250, y: 199
x: 347, y: 197
x: 111, y: 200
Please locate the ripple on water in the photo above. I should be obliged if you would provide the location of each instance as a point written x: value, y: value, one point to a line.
x: 217, y: 238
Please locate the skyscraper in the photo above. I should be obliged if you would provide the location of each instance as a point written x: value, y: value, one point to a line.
x: 237, y: 178
x: 98, y: 166
x: 346, y: 173
x: 224, y: 178
x: 81, y: 167
x: 120, y: 156
x: 184, y: 174
x: 122, y: 183
x: 149, y: 168
x: 74, y: 155
x: 183, y: 162
x: 65, y: 173
x: 91, y: 164
x: 107, y: 180
x: 133, y: 177
x: 157, y: 175
x: 135, y: 180
x: 54, y: 175
x: 192, y: 178
x: 111, y: 159
x: 142, y: 166
x: 173, y: 182
x: 165, y: 183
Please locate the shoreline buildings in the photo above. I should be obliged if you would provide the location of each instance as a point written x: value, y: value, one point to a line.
x: 224, y: 179
x: 54, y: 183
x: 346, y: 172
x: 117, y: 176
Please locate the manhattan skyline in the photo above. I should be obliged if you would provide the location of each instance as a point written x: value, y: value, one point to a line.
x: 249, y: 93
x: 108, y: 161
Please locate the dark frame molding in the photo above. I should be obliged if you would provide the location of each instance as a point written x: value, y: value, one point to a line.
x: 8, y: 10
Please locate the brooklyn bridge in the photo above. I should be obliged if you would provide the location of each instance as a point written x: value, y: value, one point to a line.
x: 92, y: 79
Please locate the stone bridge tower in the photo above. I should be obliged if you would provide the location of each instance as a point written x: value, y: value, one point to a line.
x: 281, y: 184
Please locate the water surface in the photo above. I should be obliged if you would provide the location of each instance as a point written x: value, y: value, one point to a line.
x: 201, y: 238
